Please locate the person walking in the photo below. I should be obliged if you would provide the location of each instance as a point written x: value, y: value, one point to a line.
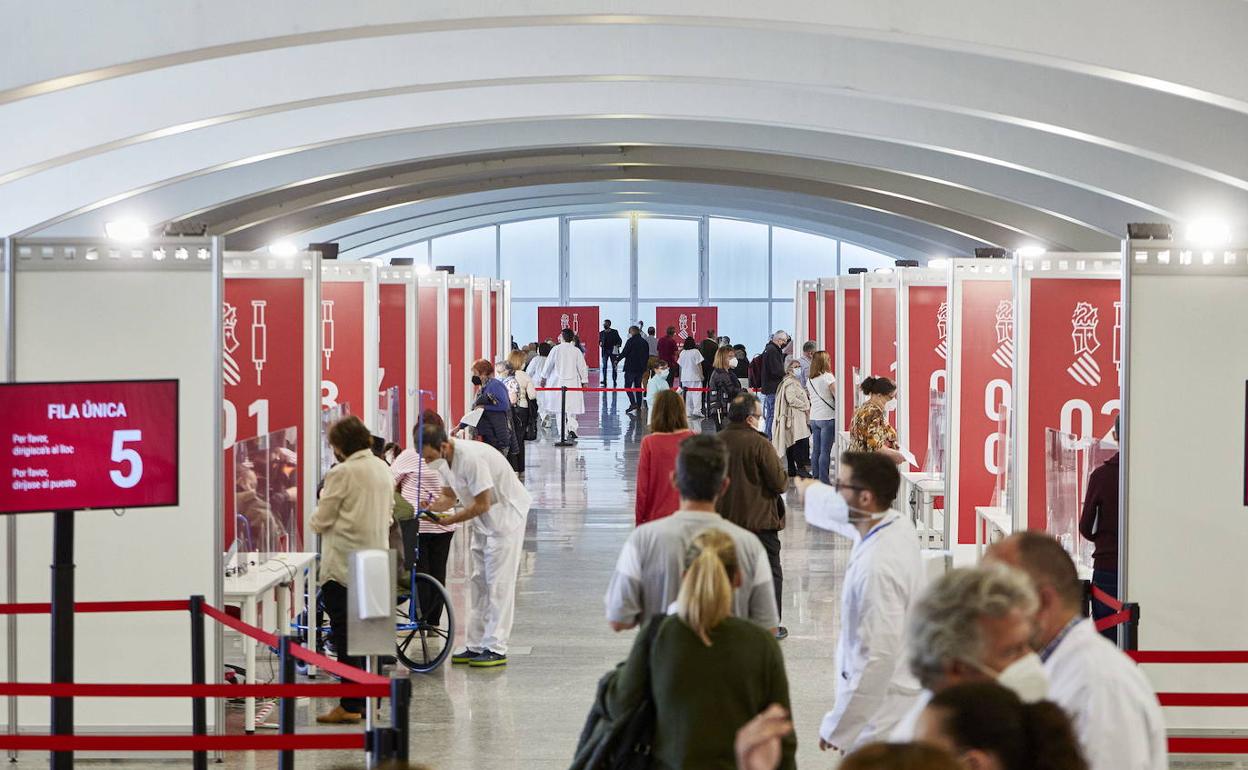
x: 708, y: 347
x: 609, y: 346
x: 708, y: 673
x: 882, y: 582
x: 723, y: 387
x: 496, y: 506
x: 753, y: 500
x: 870, y: 430
x: 353, y: 513
x: 656, y: 497
x: 690, y: 368
x: 791, y: 431
x: 773, y: 372
x: 635, y: 354
x: 821, y: 390
x: 494, y: 427
x: 652, y: 341
x: 566, y: 368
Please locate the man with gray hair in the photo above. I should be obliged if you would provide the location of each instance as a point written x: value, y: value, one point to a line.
x: 973, y: 625
x: 808, y: 351
x: 773, y: 373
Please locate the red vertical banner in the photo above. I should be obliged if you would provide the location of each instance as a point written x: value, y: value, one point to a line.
x: 829, y: 323
x: 342, y: 346
x: 853, y: 352
x: 264, y: 389
x: 394, y: 346
x: 689, y: 321
x: 1074, y: 369
x: 812, y: 315
x: 581, y: 319
x: 429, y: 363
x: 927, y: 315
x: 987, y: 368
x: 456, y: 358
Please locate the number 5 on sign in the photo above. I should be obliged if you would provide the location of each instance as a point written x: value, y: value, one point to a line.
x: 123, y: 454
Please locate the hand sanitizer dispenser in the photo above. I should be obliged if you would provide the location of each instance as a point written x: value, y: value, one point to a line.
x: 371, y: 583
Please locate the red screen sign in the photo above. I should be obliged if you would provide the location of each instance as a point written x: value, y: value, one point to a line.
x: 73, y: 445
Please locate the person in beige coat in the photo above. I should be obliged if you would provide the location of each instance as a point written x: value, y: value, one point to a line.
x: 790, y: 430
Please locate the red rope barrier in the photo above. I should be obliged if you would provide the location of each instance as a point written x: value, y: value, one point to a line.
x: 97, y: 690
x: 1188, y: 656
x: 239, y: 626
x: 42, y: 608
x: 1109, y: 621
x: 351, y: 741
x: 1208, y: 745
x: 1106, y: 599
x: 1204, y: 699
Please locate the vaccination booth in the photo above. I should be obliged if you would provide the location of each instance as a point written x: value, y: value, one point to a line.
x: 848, y: 314
x: 434, y: 330
x: 399, y: 346
x: 878, y: 322
x: 460, y: 344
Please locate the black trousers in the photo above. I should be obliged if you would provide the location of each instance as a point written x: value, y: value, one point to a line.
x: 435, y: 549
x: 798, y: 457
x: 770, y: 539
x: 608, y: 365
x: 334, y: 600
x: 633, y: 380
x: 519, y: 425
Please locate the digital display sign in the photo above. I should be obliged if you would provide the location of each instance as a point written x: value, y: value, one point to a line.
x: 75, y: 445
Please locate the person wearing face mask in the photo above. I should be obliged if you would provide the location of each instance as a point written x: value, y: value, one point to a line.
x: 655, y: 381
x: 722, y: 387
x: 821, y: 388
x: 870, y: 431
x: 773, y: 372
x: 566, y: 367
x: 1114, y: 709
x: 973, y: 625
x: 495, y: 508
x: 990, y: 728
x: 791, y: 432
x: 690, y: 367
x: 873, y: 686
x: 494, y: 427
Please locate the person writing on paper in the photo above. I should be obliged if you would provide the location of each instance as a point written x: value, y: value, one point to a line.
x: 873, y: 686
x: 494, y: 424
x: 496, y: 506
x: 566, y: 368
x: 870, y: 430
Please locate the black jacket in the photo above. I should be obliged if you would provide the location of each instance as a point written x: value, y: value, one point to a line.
x: 773, y: 368
x: 608, y: 339
x: 636, y: 353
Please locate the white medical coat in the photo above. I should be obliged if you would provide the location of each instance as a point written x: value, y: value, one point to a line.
x: 874, y: 686
x: 1114, y: 709
x: 566, y: 367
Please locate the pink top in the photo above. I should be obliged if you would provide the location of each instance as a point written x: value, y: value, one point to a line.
x: 419, y: 484
x: 656, y: 495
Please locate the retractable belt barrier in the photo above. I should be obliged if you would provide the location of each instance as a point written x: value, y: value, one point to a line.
x: 384, y: 743
x: 563, y: 403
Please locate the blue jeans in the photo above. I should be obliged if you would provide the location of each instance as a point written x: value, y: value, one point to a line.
x: 822, y: 439
x: 769, y: 410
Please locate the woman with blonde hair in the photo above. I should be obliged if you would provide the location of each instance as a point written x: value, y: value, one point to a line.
x: 669, y: 427
x: 723, y: 386
x: 708, y: 673
x: 821, y: 390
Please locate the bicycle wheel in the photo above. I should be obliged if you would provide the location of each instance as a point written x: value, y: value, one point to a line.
x: 421, y: 645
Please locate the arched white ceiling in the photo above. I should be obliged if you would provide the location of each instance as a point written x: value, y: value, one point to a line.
x: 922, y: 127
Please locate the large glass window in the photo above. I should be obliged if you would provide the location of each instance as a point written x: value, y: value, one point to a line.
x: 524, y: 321
x: 471, y: 252
x: 856, y: 256
x: 738, y: 259
x: 667, y: 258
x: 796, y: 256
x: 745, y: 323
x: 529, y: 257
x: 598, y: 257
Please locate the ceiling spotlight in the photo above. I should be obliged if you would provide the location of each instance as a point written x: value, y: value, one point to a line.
x: 423, y: 269
x: 127, y: 230
x: 1031, y: 250
x: 884, y: 270
x: 938, y: 262
x: 283, y: 249
x: 1209, y: 232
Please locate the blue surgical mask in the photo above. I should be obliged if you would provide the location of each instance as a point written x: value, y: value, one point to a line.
x: 663, y: 373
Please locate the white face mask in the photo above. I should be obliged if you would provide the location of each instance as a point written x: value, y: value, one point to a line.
x: 1026, y: 677
x: 732, y: 363
x: 839, y: 512
x: 760, y: 424
x: 663, y: 373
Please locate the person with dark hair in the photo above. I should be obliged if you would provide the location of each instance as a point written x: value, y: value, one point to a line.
x: 708, y: 673
x: 991, y: 728
x: 652, y: 340
x: 669, y: 347
x: 495, y: 508
x: 353, y: 513
x: 874, y: 688
x: 1098, y: 522
x: 635, y: 354
x: 690, y: 364
x: 742, y: 369
x: 421, y: 485
x: 656, y: 379
x: 753, y: 500
x: 494, y: 426
x: 534, y: 369
x: 708, y: 347
x: 901, y: 756
x: 870, y: 431
x: 609, y: 346
x: 656, y: 497
x: 1112, y: 705
x: 566, y: 368
x: 772, y: 374
x: 648, y: 573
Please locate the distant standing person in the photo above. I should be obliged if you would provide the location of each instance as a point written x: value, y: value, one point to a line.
x: 723, y: 387
x: 791, y: 431
x: 690, y: 363
x: 772, y: 374
x: 566, y: 368
x: 1099, y: 523
x: 821, y: 388
x: 656, y: 496
x: 609, y: 346
x: 870, y: 430
x: 708, y: 347
x: 635, y: 354
x: 652, y: 341
x: 742, y: 369
x: 494, y: 427
x: 808, y: 350
x: 669, y: 348
x: 656, y: 379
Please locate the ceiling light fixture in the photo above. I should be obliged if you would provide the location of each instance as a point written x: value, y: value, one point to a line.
x: 1031, y: 250
x: 1209, y: 232
x: 283, y: 249
x: 126, y: 230
x: 938, y: 262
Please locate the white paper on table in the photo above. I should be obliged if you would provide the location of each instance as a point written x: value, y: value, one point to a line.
x: 473, y: 417
x: 910, y: 458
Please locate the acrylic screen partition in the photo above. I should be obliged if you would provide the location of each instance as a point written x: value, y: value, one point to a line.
x: 390, y: 415
x: 266, y: 493
x: 935, y: 457
x: 328, y: 418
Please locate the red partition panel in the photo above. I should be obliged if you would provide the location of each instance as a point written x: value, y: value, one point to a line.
x: 812, y: 315
x: 429, y: 364
x: 884, y: 337
x: 581, y: 319
x: 853, y: 352
x: 829, y: 323
x: 482, y: 307
x: 499, y: 345
x: 342, y: 345
x: 456, y: 358
x: 987, y: 368
x: 928, y: 346
x: 263, y: 368
x: 394, y: 346
x: 690, y: 321
x: 1072, y: 364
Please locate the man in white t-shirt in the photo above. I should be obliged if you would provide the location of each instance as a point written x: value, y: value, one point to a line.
x: 495, y: 507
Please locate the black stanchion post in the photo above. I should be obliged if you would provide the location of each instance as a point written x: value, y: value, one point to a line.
x: 199, y: 668
x: 63, y: 630
x: 1086, y: 607
x: 286, y: 711
x: 1131, y: 629
x: 563, y: 418
x: 400, y: 699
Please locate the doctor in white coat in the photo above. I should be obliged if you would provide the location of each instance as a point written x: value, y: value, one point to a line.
x: 566, y: 368
x: 1114, y: 710
x: 874, y: 686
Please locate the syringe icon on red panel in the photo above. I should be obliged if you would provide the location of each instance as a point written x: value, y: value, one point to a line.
x: 327, y: 329
x: 259, y: 337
